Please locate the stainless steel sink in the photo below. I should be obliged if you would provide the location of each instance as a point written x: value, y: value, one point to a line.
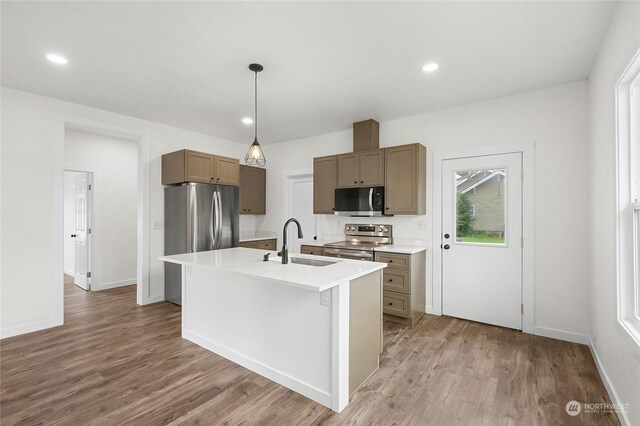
x: 310, y: 262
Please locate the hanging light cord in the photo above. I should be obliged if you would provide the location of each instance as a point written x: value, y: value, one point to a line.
x: 256, y: 105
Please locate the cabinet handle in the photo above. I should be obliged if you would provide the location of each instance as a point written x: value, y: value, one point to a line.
x: 387, y: 208
x: 217, y: 178
x: 390, y: 260
x: 390, y: 303
x: 390, y: 280
x: 361, y: 181
x: 355, y: 181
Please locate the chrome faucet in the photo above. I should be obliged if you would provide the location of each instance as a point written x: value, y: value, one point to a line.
x: 285, y: 252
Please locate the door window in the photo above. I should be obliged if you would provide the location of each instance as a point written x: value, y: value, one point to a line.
x: 480, y: 212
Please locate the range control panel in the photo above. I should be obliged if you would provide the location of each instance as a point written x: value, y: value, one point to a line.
x: 354, y: 230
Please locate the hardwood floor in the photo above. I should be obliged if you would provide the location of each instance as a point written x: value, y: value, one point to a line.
x: 115, y: 363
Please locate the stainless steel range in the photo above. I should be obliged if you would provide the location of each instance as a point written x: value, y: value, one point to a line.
x: 360, y: 241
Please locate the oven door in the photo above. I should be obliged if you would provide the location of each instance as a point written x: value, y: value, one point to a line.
x: 349, y: 254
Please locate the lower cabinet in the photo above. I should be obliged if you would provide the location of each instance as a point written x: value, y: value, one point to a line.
x: 403, y: 284
x: 270, y: 244
x: 309, y: 249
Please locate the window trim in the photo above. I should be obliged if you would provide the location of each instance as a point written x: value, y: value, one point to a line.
x: 627, y: 193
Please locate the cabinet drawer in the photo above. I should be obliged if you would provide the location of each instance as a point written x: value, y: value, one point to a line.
x: 265, y: 244
x: 317, y: 250
x: 396, y: 280
x: 394, y: 260
x: 396, y: 304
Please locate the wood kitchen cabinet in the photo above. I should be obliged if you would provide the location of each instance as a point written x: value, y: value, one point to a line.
x: 364, y: 168
x: 252, y: 190
x: 325, y: 177
x: 193, y: 166
x: 403, y: 284
x: 226, y: 171
x: 310, y: 249
x: 405, y: 179
x: 269, y: 244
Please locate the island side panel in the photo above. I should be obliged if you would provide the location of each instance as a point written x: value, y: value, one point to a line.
x: 365, y: 328
x: 277, y: 330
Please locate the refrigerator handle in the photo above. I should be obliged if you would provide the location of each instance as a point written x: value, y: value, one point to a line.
x: 218, y: 218
x: 213, y: 221
x: 194, y: 219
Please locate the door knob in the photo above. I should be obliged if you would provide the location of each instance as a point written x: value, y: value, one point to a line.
x: 447, y: 236
x: 74, y: 235
x: 446, y: 247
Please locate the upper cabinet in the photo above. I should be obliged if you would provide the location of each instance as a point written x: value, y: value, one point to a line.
x: 325, y: 180
x: 192, y: 166
x: 226, y: 171
x: 347, y: 170
x: 364, y: 168
x: 252, y: 190
x: 405, y: 179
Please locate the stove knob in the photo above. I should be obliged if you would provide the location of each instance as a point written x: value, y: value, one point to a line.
x: 385, y: 229
x: 350, y: 228
x: 381, y: 229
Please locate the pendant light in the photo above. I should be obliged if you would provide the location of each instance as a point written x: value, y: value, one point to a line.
x: 255, y: 156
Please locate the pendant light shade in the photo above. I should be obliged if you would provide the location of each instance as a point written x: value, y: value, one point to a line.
x: 255, y: 156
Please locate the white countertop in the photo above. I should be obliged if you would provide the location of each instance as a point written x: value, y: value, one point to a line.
x: 248, y: 262
x: 398, y: 248
x: 256, y: 236
x: 318, y: 242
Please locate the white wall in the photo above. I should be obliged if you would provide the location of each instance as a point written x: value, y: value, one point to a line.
x: 114, y: 162
x: 619, y: 359
x: 28, y: 269
x: 556, y: 119
x: 70, y: 220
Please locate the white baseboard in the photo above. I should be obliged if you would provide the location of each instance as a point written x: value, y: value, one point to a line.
x: 113, y: 284
x: 270, y: 373
x: 561, y: 335
x: 69, y: 272
x: 28, y: 327
x: 622, y: 415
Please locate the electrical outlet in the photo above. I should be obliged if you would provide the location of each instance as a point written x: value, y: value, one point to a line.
x: 325, y: 298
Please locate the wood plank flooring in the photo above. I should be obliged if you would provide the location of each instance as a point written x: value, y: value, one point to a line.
x: 116, y: 363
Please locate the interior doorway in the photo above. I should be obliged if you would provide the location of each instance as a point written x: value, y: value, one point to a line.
x: 299, y: 204
x: 100, y: 209
x: 78, y: 213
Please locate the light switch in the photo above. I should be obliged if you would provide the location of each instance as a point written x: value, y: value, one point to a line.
x: 157, y: 224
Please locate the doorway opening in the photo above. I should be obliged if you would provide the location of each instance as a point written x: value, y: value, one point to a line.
x: 100, y: 209
x: 298, y: 203
x: 140, y: 238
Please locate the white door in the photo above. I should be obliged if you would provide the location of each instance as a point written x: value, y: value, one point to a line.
x: 301, y: 207
x: 482, y: 239
x: 82, y: 232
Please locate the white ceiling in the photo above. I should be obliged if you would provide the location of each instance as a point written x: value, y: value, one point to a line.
x: 327, y: 64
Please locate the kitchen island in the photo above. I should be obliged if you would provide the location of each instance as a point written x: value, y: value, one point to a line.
x: 313, y: 327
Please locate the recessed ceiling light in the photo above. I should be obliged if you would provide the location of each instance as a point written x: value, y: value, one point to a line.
x: 57, y: 59
x: 430, y: 67
x: 247, y: 120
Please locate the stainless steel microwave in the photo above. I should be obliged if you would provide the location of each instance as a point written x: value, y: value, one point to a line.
x: 365, y: 201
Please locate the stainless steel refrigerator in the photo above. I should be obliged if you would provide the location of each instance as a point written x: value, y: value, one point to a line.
x: 198, y: 217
